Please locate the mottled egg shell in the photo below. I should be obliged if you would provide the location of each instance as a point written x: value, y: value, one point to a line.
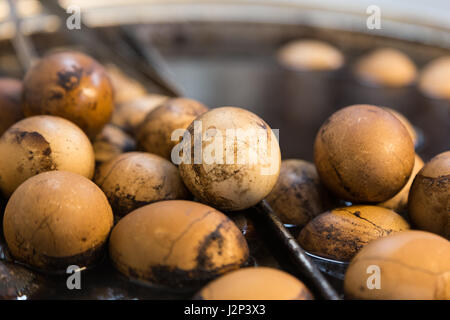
x: 339, y: 234
x: 177, y: 243
x: 364, y: 154
x: 243, y: 171
x: 111, y: 142
x: 409, y: 265
x: 155, y: 132
x: 429, y: 197
x: 57, y: 219
x: 10, y: 103
x: 298, y: 195
x: 43, y: 143
x: 135, y: 179
x: 399, y: 202
x: 386, y: 67
x: 129, y: 115
x: 261, y: 283
x: 310, y: 55
x: 71, y: 85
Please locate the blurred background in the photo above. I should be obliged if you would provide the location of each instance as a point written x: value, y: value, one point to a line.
x: 228, y: 53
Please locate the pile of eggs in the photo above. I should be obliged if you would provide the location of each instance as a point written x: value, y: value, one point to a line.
x: 85, y: 168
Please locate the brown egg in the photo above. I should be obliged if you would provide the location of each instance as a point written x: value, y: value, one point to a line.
x: 386, y: 67
x: 298, y: 195
x: 57, y: 219
x: 339, y: 234
x: 129, y: 115
x: 155, y: 132
x: 43, y: 143
x: 399, y: 202
x: 310, y: 55
x: 409, y: 265
x: 429, y: 197
x: 435, y: 78
x: 364, y: 154
x: 239, y: 160
x: 71, y: 85
x: 10, y: 103
x: 406, y: 123
x: 125, y: 87
x: 135, y: 179
x: 111, y: 142
x: 177, y: 243
x: 260, y: 283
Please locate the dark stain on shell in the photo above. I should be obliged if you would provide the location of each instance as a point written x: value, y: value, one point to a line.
x: 304, y: 187
x: 58, y: 265
x: 39, y: 151
x: 434, y: 184
x: 331, y: 239
x: 205, y: 269
x: 124, y: 204
x: 218, y: 174
x: 56, y: 95
x: 179, y: 278
x: 70, y: 79
x: 353, y: 194
x: 203, y: 259
x: 357, y: 214
x: 435, y: 188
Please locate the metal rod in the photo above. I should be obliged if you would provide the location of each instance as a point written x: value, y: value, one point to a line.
x: 23, y: 45
x: 152, y: 57
x: 306, y: 266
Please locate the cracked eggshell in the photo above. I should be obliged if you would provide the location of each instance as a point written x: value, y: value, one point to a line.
x: 429, y: 197
x: 111, y: 142
x: 399, y: 202
x: 57, y: 219
x: 177, y: 243
x: 43, y: 143
x: 10, y: 103
x: 412, y: 265
x: 364, y: 154
x: 242, y: 183
x: 259, y: 283
x: 155, y: 131
x: 298, y: 195
x: 135, y: 179
x: 70, y: 85
x: 339, y: 234
x: 129, y: 115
